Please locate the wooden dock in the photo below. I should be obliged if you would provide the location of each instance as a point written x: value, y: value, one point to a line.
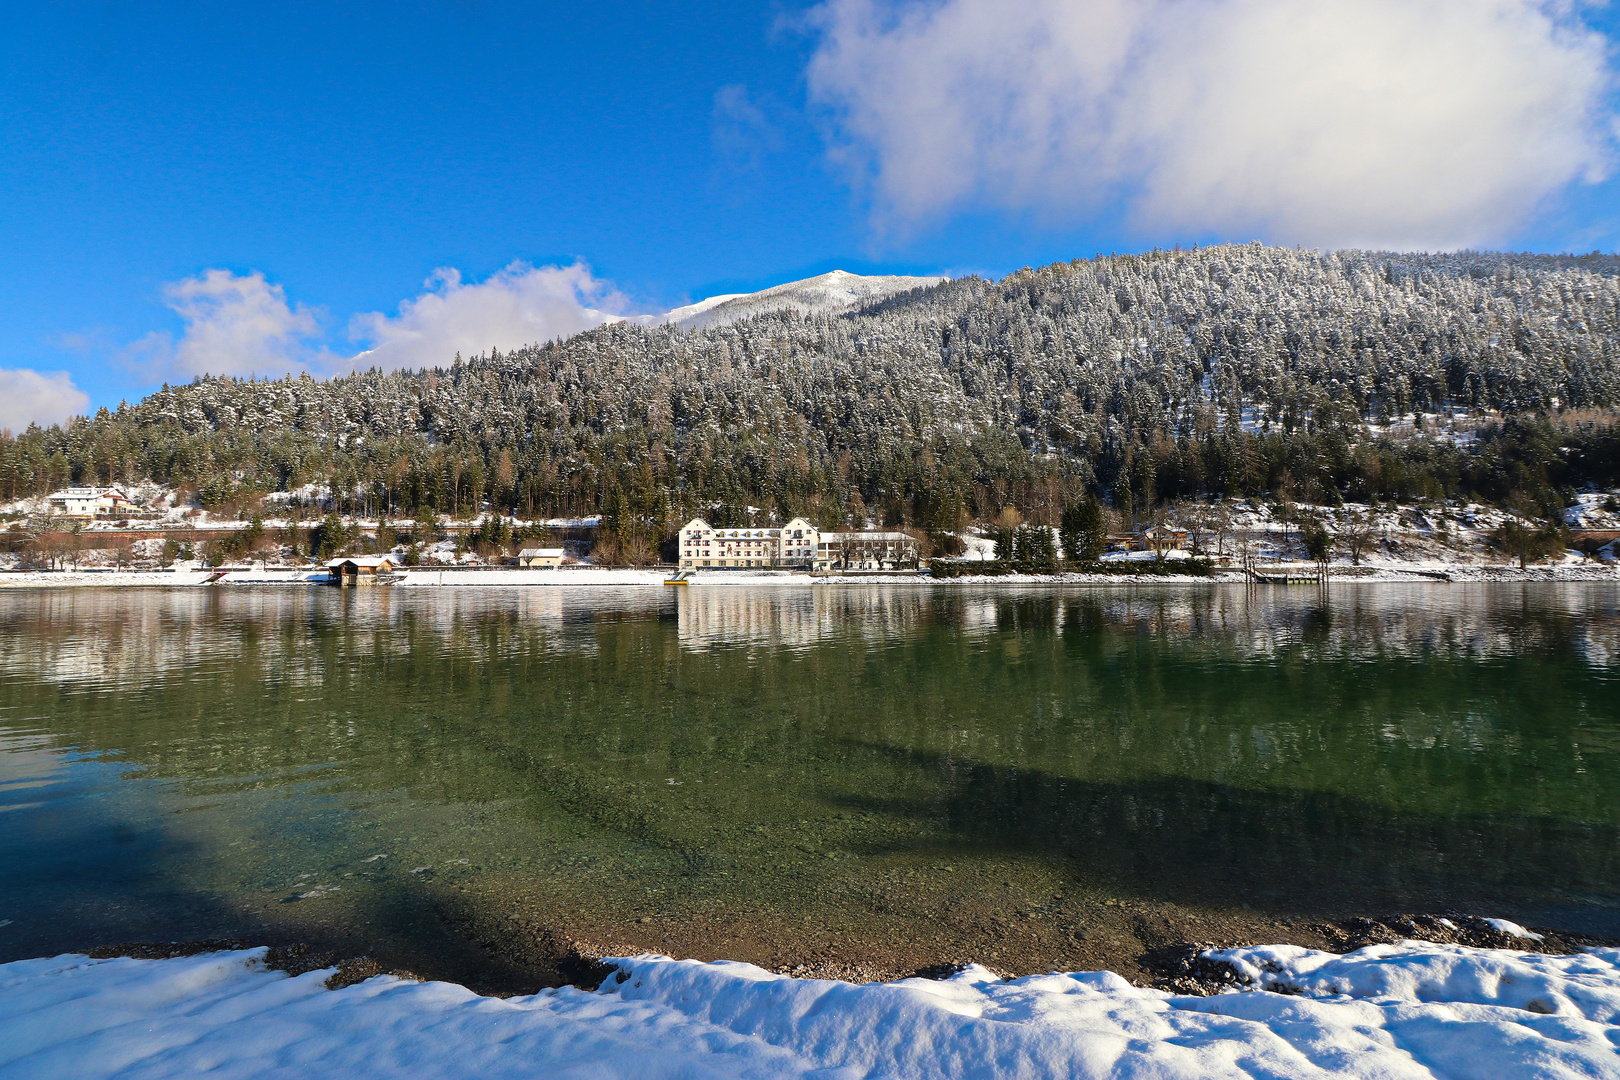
x: 1288, y: 577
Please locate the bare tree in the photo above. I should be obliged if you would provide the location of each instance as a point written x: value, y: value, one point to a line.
x: 1221, y: 521
x: 637, y: 550
x: 862, y: 551
x: 606, y: 551
x: 925, y: 542
x: 1359, y: 531
x: 55, y: 547
x: 1204, y: 522
x: 1158, y: 531
x: 75, y: 542
x: 858, y: 552
x: 1190, y: 516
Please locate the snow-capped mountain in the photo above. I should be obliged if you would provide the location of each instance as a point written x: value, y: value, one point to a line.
x: 832, y: 292
x: 1144, y: 377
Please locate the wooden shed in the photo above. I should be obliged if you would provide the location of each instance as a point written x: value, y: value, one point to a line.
x: 359, y: 570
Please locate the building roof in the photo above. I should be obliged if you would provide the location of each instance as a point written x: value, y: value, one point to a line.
x: 87, y: 493
x: 747, y: 532
x: 372, y: 561
x: 868, y: 535
x: 541, y: 553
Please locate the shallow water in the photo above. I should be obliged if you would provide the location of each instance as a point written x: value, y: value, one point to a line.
x: 388, y: 765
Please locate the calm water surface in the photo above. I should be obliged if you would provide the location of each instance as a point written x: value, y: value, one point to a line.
x: 183, y: 764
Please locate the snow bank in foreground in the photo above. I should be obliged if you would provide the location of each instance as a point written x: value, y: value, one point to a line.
x: 1412, y: 1010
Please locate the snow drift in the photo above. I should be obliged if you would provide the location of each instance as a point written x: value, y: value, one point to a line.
x: 1407, y: 1011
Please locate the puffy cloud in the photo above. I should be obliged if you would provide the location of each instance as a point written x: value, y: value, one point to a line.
x: 1409, y: 123
x: 29, y: 397
x: 243, y: 324
x: 521, y: 305
x: 235, y: 325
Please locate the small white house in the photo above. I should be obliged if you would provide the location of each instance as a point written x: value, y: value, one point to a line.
x: 91, y: 502
x: 540, y: 558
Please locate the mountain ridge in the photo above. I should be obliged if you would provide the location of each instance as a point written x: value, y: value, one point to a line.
x: 829, y: 293
x: 1237, y: 369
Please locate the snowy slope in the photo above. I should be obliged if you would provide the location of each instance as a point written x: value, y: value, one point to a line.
x: 835, y: 291
x: 680, y: 315
x: 1403, y: 1012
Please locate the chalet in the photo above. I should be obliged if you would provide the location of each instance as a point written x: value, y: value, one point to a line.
x: 541, y: 558
x: 359, y: 570
x: 1152, y: 538
x: 1163, y: 538
x: 91, y: 503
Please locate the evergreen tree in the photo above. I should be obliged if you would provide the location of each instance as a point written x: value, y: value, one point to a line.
x: 1082, y: 533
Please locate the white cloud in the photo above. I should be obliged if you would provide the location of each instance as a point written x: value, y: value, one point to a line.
x: 1379, y: 122
x: 243, y: 324
x: 235, y: 325
x: 521, y: 305
x: 28, y: 397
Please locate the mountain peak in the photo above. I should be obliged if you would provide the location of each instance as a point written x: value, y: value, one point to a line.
x: 834, y: 291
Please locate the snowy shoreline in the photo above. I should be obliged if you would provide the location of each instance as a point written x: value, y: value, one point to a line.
x: 1406, y: 1010
x: 1338, y: 574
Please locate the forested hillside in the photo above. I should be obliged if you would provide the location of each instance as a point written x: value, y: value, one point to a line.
x: 1231, y: 370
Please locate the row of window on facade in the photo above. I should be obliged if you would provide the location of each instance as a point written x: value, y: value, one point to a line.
x: 798, y: 545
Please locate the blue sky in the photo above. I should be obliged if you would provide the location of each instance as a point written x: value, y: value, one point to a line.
x: 326, y: 161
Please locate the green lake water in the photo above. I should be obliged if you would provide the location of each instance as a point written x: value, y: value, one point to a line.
x: 236, y: 762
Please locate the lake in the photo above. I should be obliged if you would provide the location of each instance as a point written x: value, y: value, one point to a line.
x: 462, y: 781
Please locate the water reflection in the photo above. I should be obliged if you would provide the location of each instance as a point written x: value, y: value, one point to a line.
x: 1382, y: 746
x: 796, y: 618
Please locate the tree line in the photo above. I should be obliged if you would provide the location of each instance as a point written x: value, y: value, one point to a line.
x: 1231, y: 370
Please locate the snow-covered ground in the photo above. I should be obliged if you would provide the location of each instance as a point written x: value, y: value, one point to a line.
x: 827, y: 293
x: 104, y: 578
x: 1395, y: 542
x: 1593, y: 510
x: 1395, y: 1012
x: 428, y: 576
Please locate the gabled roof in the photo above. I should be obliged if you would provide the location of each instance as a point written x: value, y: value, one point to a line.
x: 541, y: 553
x: 87, y: 493
x: 372, y: 561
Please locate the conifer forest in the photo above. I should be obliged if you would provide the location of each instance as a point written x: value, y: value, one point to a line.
x: 1135, y: 379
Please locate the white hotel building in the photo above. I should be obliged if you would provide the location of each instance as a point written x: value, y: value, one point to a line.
x: 798, y: 545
